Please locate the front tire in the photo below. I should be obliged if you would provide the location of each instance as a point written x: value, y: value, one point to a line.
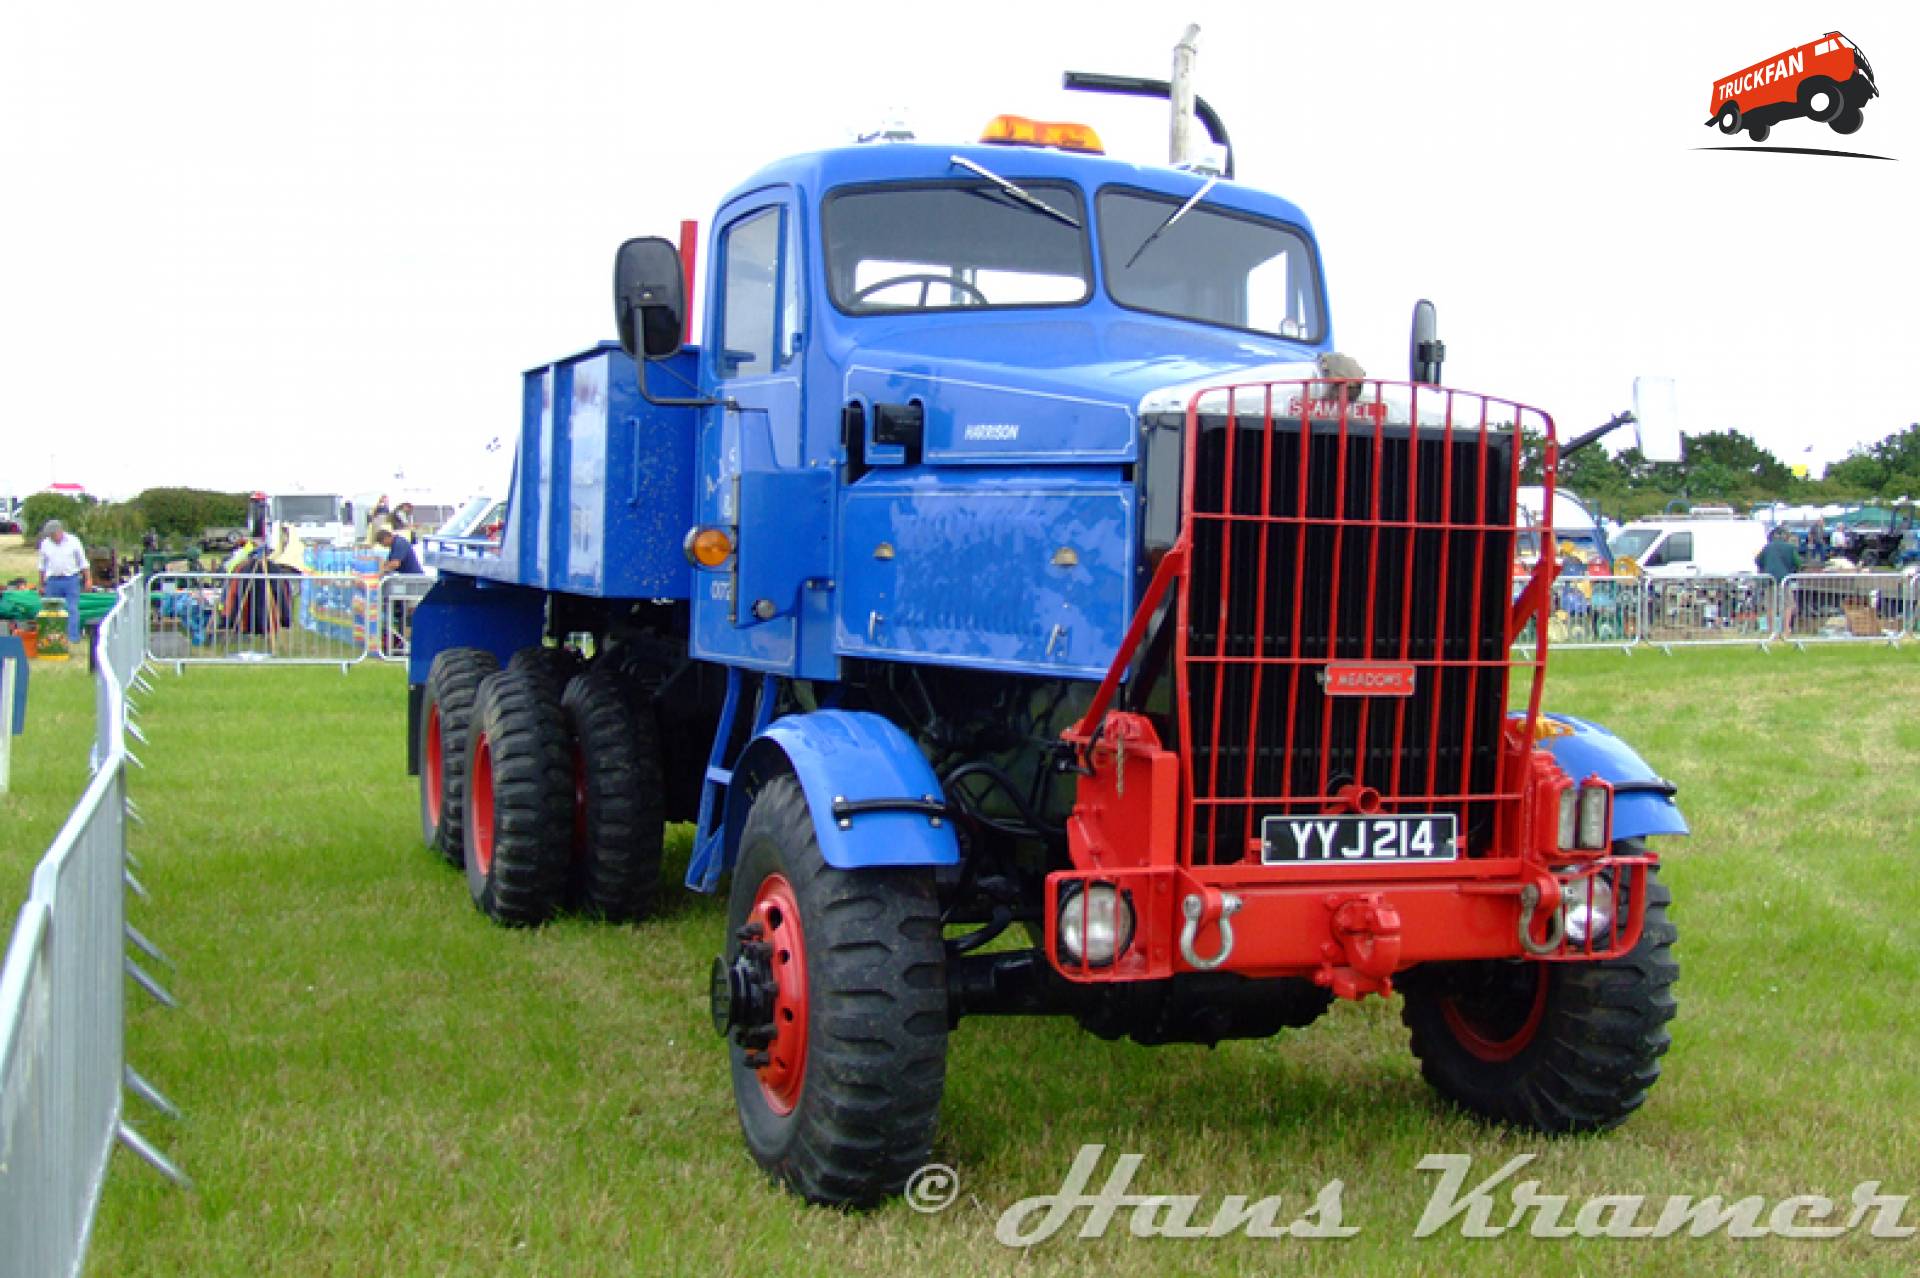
x: 519, y: 824
x: 839, y: 1101
x: 446, y: 717
x: 1551, y: 1047
x: 1831, y: 101
x: 1848, y: 121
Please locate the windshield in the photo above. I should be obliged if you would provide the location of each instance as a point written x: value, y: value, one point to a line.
x: 954, y: 245
x: 1210, y: 265
x: 1633, y: 543
x: 306, y: 510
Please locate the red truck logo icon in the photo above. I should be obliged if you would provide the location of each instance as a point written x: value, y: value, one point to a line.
x: 1827, y: 80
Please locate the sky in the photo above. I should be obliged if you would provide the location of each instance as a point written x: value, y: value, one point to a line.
x: 312, y: 247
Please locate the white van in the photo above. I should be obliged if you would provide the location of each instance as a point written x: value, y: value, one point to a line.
x: 1691, y: 547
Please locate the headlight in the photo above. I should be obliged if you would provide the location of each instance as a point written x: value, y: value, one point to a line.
x: 1589, y: 906
x: 1593, y: 817
x: 1569, y: 816
x: 1095, y: 924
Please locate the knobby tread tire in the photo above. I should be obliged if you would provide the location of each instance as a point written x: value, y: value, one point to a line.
x: 1595, y: 1054
x: 623, y: 822
x: 532, y: 800
x: 877, y: 1015
x: 453, y: 685
x: 555, y: 665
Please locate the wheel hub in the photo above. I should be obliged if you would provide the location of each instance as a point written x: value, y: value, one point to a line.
x: 759, y: 999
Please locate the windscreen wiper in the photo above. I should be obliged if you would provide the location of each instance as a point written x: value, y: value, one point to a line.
x: 1172, y: 217
x: 1027, y: 198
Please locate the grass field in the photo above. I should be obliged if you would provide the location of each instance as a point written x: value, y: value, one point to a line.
x: 378, y: 1081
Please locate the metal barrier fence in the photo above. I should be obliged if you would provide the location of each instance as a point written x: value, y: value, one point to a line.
x: 62, y: 1000
x: 1742, y: 609
x: 1590, y: 612
x: 399, y: 595
x: 1696, y: 611
x: 204, y: 618
x: 218, y: 618
x: 1833, y: 607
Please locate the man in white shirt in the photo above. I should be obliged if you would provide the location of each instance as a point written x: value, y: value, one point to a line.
x: 63, y: 572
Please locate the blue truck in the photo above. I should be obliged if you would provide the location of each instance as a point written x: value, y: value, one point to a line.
x: 1034, y: 614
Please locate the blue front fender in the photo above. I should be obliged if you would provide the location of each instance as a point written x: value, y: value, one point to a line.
x: 850, y: 755
x: 1642, y: 800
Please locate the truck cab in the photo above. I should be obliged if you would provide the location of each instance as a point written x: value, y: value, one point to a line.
x: 893, y: 327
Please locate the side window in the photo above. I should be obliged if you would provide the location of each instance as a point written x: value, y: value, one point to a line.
x: 1679, y: 549
x: 750, y: 297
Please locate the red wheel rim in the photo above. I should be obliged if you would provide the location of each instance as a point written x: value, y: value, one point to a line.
x: 777, y: 911
x: 434, y: 765
x: 1496, y: 1035
x: 480, y: 786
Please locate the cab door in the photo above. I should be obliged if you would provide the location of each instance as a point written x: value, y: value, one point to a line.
x: 753, y: 478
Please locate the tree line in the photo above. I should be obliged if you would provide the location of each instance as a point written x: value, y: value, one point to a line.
x: 1726, y: 466
x: 176, y: 514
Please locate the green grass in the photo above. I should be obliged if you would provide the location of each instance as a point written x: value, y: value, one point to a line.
x: 378, y: 1081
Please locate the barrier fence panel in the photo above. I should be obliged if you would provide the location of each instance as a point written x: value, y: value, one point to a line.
x: 1738, y: 609
x: 399, y: 595
x: 1590, y: 612
x: 1835, y: 607
x: 62, y: 1002
x: 202, y: 618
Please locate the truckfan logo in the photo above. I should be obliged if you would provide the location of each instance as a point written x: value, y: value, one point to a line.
x: 1827, y: 81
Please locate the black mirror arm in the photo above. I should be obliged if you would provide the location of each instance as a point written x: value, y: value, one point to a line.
x: 666, y: 401
x: 1595, y: 435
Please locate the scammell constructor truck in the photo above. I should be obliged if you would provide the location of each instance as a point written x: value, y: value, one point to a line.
x: 1035, y: 615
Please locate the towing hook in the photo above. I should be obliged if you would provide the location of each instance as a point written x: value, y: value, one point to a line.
x: 1556, y: 925
x: 1195, y: 910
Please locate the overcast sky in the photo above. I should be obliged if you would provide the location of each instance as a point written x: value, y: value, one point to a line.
x: 268, y: 245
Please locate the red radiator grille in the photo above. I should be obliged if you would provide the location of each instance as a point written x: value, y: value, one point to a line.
x: 1325, y: 533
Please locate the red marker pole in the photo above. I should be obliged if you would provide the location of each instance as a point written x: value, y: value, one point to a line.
x: 689, y: 248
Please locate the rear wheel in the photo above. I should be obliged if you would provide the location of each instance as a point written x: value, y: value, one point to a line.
x: 446, y: 714
x: 1729, y: 119
x: 1554, y: 1047
x: 555, y: 665
x: 1759, y: 132
x: 618, y: 821
x: 519, y: 801
x: 833, y: 991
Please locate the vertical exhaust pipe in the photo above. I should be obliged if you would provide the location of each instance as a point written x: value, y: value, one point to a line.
x: 1181, y: 150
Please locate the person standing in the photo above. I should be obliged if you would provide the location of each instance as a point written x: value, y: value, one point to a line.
x: 63, y: 571
x: 1779, y: 560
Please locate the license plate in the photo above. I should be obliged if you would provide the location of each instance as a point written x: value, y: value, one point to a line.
x: 1350, y: 840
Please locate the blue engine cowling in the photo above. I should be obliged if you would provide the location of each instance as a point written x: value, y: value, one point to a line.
x: 1643, y: 801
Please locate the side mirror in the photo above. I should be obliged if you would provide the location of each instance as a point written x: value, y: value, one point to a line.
x: 1425, y: 351
x: 1656, y: 418
x: 649, y: 297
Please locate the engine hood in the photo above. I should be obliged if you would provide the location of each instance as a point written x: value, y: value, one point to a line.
x: 1049, y: 389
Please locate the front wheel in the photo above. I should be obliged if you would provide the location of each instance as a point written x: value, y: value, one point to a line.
x: 1848, y: 121
x: 1552, y: 1047
x: 833, y: 993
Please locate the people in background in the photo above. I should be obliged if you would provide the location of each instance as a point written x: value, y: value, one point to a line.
x: 1817, y: 541
x: 400, y: 556
x: 63, y: 571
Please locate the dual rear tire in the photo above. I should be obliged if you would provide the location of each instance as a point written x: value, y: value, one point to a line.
x: 542, y: 783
